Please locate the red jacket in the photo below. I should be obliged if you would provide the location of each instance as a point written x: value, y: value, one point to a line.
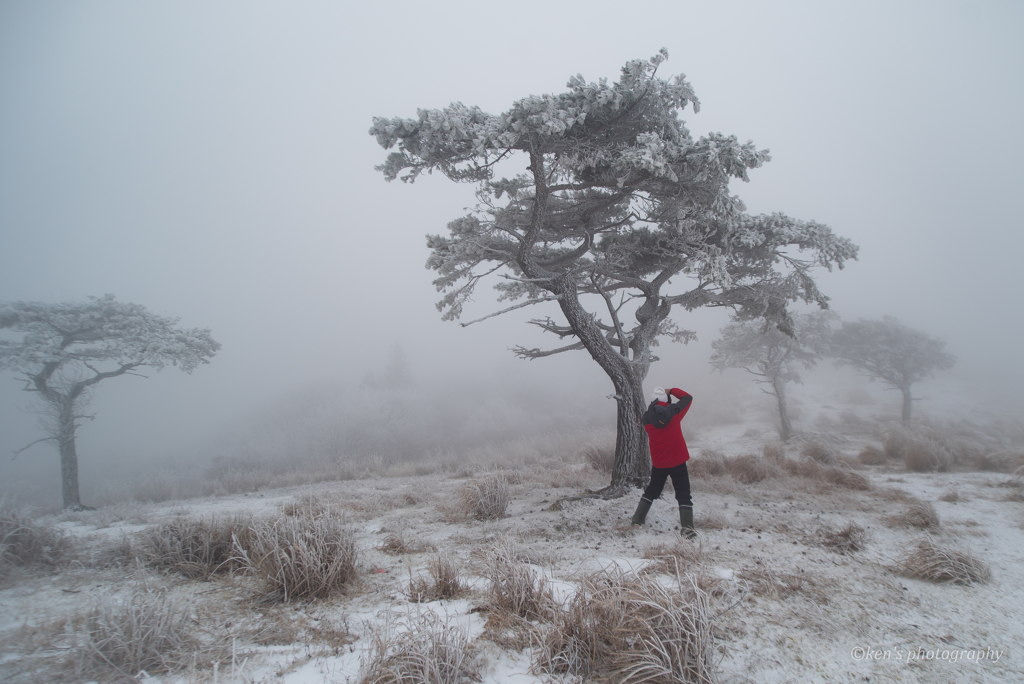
x: 668, y: 448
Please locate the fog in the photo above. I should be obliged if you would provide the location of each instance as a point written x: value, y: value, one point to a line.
x: 211, y: 161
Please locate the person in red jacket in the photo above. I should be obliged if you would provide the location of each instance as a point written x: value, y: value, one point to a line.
x: 669, y: 455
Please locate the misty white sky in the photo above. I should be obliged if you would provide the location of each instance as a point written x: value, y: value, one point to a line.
x: 210, y: 160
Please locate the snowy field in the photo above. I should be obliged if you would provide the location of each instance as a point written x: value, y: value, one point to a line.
x: 803, y: 570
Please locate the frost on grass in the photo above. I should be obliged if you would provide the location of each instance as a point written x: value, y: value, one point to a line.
x: 677, y: 554
x: 929, y: 561
x: 918, y: 514
x: 422, y: 648
x: 514, y: 588
x: 445, y: 580
x: 845, y: 540
x: 485, y: 499
x: 24, y: 542
x: 630, y: 627
x: 146, y: 631
x: 196, y: 548
x: 300, y: 557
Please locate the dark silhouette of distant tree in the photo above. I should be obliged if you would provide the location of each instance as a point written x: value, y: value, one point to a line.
x: 890, y: 351
x: 68, y: 348
x: 771, y: 355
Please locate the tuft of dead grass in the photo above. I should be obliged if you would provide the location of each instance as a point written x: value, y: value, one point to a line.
x: 422, y: 648
x: 750, y: 469
x: 952, y: 495
x: 871, y: 455
x: 629, y: 627
x: 514, y: 588
x: 1000, y: 461
x: 920, y: 514
x: 445, y: 581
x: 764, y: 580
x: 934, y: 563
x: 709, y: 520
x: 26, y: 542
x: 485, y: 499
x: 846, y: 540
x: 774, y: 451
x: 922, y: 448
x: 848, y: 479
x: 300, y: 557
x: 677, y: 555
x: 147, y: 631
x: 710, y: 463
x: 600, y: 458
x: 195, y: 548
x: 821, y: 452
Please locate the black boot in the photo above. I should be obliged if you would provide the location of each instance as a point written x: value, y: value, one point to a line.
x: 686, y: 522
x: 641, y: 511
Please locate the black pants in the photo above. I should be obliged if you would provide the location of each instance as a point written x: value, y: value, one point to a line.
x: 680, y: 481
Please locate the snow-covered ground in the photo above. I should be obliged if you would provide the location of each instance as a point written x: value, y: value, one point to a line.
x: 788, y: 609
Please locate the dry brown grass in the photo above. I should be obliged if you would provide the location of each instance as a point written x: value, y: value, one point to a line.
x: 195, y: 548
x: 952, y: 495
x: 709, y: 520
x: 677, y: 555
x: 871, y: 455
x: 821, y: 452
x: 750, y: 469
x: 934, y: 563
x: 397, y: 543
x: 710, y: 463
x: 24, y: 542
x: 774, y: 451
x: 514, y: 588
x: 843, y: 477
x: 301, y: 557
x: 422, y: 648
x: 922, y: 448
x: 919, y: 514
x: 765, y: 580
x: 631, y: 628
x: 846, y: 540
x: 1000, y: 461
x: 147, y: 631
x: 445, y: 581
x: 485, y: 499
x: 600, y: 458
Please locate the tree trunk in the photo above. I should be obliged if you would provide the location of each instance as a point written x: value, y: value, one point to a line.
x: 68, y: 457
x: 907, y: 403
x: 632, y: 466
x: 785, y: 427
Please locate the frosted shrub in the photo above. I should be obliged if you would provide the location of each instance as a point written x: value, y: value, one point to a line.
x: 486, y: 499
x: 300, y: 557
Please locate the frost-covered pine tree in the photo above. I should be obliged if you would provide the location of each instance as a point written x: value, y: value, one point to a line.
x: 890, y: 351
x: 621, y: 218
x: 66, y: 349
x: 772, y: 356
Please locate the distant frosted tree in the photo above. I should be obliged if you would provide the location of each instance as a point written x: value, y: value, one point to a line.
x: 890, y: 351
x: 67, y: 348
x: 620, y: 214
x: 772, y: 356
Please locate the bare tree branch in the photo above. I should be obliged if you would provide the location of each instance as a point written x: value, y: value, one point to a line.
x: 524, y: 353
x: 512, y: 308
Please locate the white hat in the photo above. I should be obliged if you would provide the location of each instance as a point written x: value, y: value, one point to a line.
x: 660, y: 394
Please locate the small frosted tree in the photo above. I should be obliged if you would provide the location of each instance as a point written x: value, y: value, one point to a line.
x: 67, y: 349
x: 772, y: 356
x: 890, y: 351
x: 621, y: 214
